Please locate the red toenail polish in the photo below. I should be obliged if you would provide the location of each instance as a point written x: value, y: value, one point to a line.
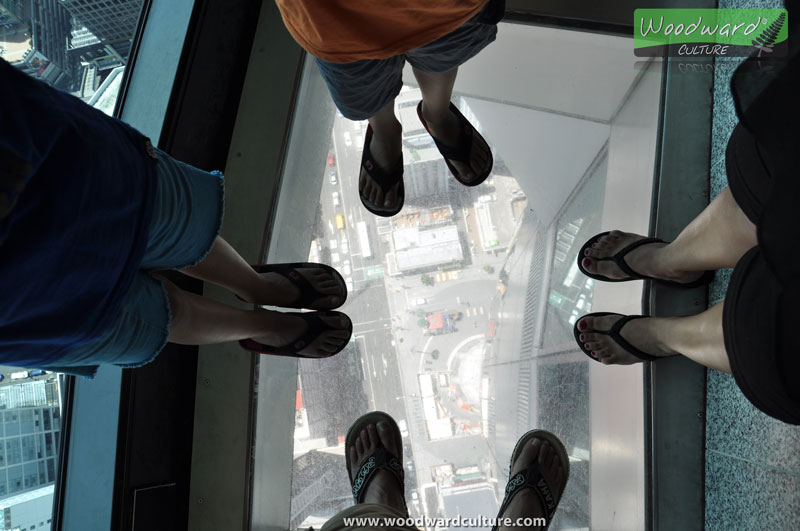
x: 593, y: 354
x: 586, y: 252
x: 581, y: 325
x: 587, y: 262
x: 582, y: 337
x: 587, y: 345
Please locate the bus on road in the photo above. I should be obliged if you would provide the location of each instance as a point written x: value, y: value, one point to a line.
x: 363, y: 239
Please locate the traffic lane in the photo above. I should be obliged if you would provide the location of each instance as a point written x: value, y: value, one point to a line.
x: 382, y: 369
x: 367, y: 307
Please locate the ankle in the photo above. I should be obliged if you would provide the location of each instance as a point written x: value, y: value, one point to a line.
x: 386, y: 131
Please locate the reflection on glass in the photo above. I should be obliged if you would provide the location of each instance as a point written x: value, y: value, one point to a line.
x: 463, y: 306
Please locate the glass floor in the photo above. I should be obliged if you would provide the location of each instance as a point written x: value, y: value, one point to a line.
x: 463, y: 304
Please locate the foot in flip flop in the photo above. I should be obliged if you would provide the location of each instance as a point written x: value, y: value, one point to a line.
x: 380, y: 184
x: 638, y: 338
x: 467, y: 154
x: 383, y: 488
x: 298, y: 285
x: 289, y: 334
x: 619, y: 256
x: 538, y: 457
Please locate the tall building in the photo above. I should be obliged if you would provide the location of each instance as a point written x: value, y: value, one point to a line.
x: 11, y: 12
x: 329, y: 413
x: 112, y: 21
x: 30, y: 438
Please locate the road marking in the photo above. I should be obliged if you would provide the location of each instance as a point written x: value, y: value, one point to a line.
x: 457, y: 347
x: 481, y: 310
x: 422, y: 354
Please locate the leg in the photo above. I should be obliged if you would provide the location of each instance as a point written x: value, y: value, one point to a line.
x: 437, y: 89
x: 716, y: 238
x: 528, y: 504
x: 698, y: 337
x: 385, y: 148
x: 225, y: 267
x: 197, y: 320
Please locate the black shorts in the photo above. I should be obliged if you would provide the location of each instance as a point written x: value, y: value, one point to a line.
x: 757, y: 315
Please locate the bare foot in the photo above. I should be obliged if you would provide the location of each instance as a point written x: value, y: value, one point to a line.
x: 447, y: 130
x: 383, y: 488
x: 641, y: 333
x: 528, y: 504
x: 275, y: 289
x: 385, y: 149
x: 651, y: 259
x: 286, y: 328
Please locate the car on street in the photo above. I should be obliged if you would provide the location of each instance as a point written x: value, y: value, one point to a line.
x: 403, y: 427
x: 349, y: 283
x: 333, y: 244
x: 339, y: 221
x: 348, y: 140
x: 487, y: 198
x: 344, y: 247
x: 419, y: 301
x: 335, y: 199
x: 335, y: 258
x: 331, y: 159
x: 346, y: 270
x: 333, y: 177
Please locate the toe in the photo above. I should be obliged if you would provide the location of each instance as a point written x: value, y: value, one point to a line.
x: 386, y: 436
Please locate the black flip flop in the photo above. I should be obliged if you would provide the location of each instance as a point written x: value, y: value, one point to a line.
x: 619, y: 259
x: 615, y: 334
x: 308, y: 294
x: 531, y: 477
x: 461, y: 152
x: 380, y: 459
x: 315, y: 327
x: 383, y: 179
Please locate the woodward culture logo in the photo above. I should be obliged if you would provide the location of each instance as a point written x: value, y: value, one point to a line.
x: 710, y: 32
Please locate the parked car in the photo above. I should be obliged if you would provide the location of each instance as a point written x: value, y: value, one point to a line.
x: 331, y: 159
x: 344, y: 247
x: 419, y: 301
x: 346, y: 270
x: 333, y: 177
x: 335, y: 199
x: 37, y: 372
x: 403, y: 427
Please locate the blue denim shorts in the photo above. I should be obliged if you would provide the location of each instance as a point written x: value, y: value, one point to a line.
x: 362, y: 88
x: 187, y: 217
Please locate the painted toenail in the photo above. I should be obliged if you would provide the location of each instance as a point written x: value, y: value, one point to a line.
x: 582, y: 337
x: 582, y: 325
x: 587, y: 345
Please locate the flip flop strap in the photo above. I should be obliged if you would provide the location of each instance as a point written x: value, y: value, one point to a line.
x: 616, y: 334
x: 384, y: 179
x: 531, y: 478
x: 461, y: 152
x: 381, y: 459
x: 619, y: 258
x: 307, y: 293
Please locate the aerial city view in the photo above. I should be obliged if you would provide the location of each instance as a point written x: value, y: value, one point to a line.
x: 429, y: 290
x: 73, y: 45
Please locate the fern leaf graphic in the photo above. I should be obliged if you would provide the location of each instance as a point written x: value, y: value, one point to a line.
x: 766, y: 40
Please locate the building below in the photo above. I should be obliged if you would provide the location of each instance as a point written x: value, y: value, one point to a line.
x: 420, y: 248
x: 30, y: 511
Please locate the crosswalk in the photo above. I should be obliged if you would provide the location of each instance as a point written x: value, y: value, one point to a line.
x: 472, y: 312
x: 445, y: 276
